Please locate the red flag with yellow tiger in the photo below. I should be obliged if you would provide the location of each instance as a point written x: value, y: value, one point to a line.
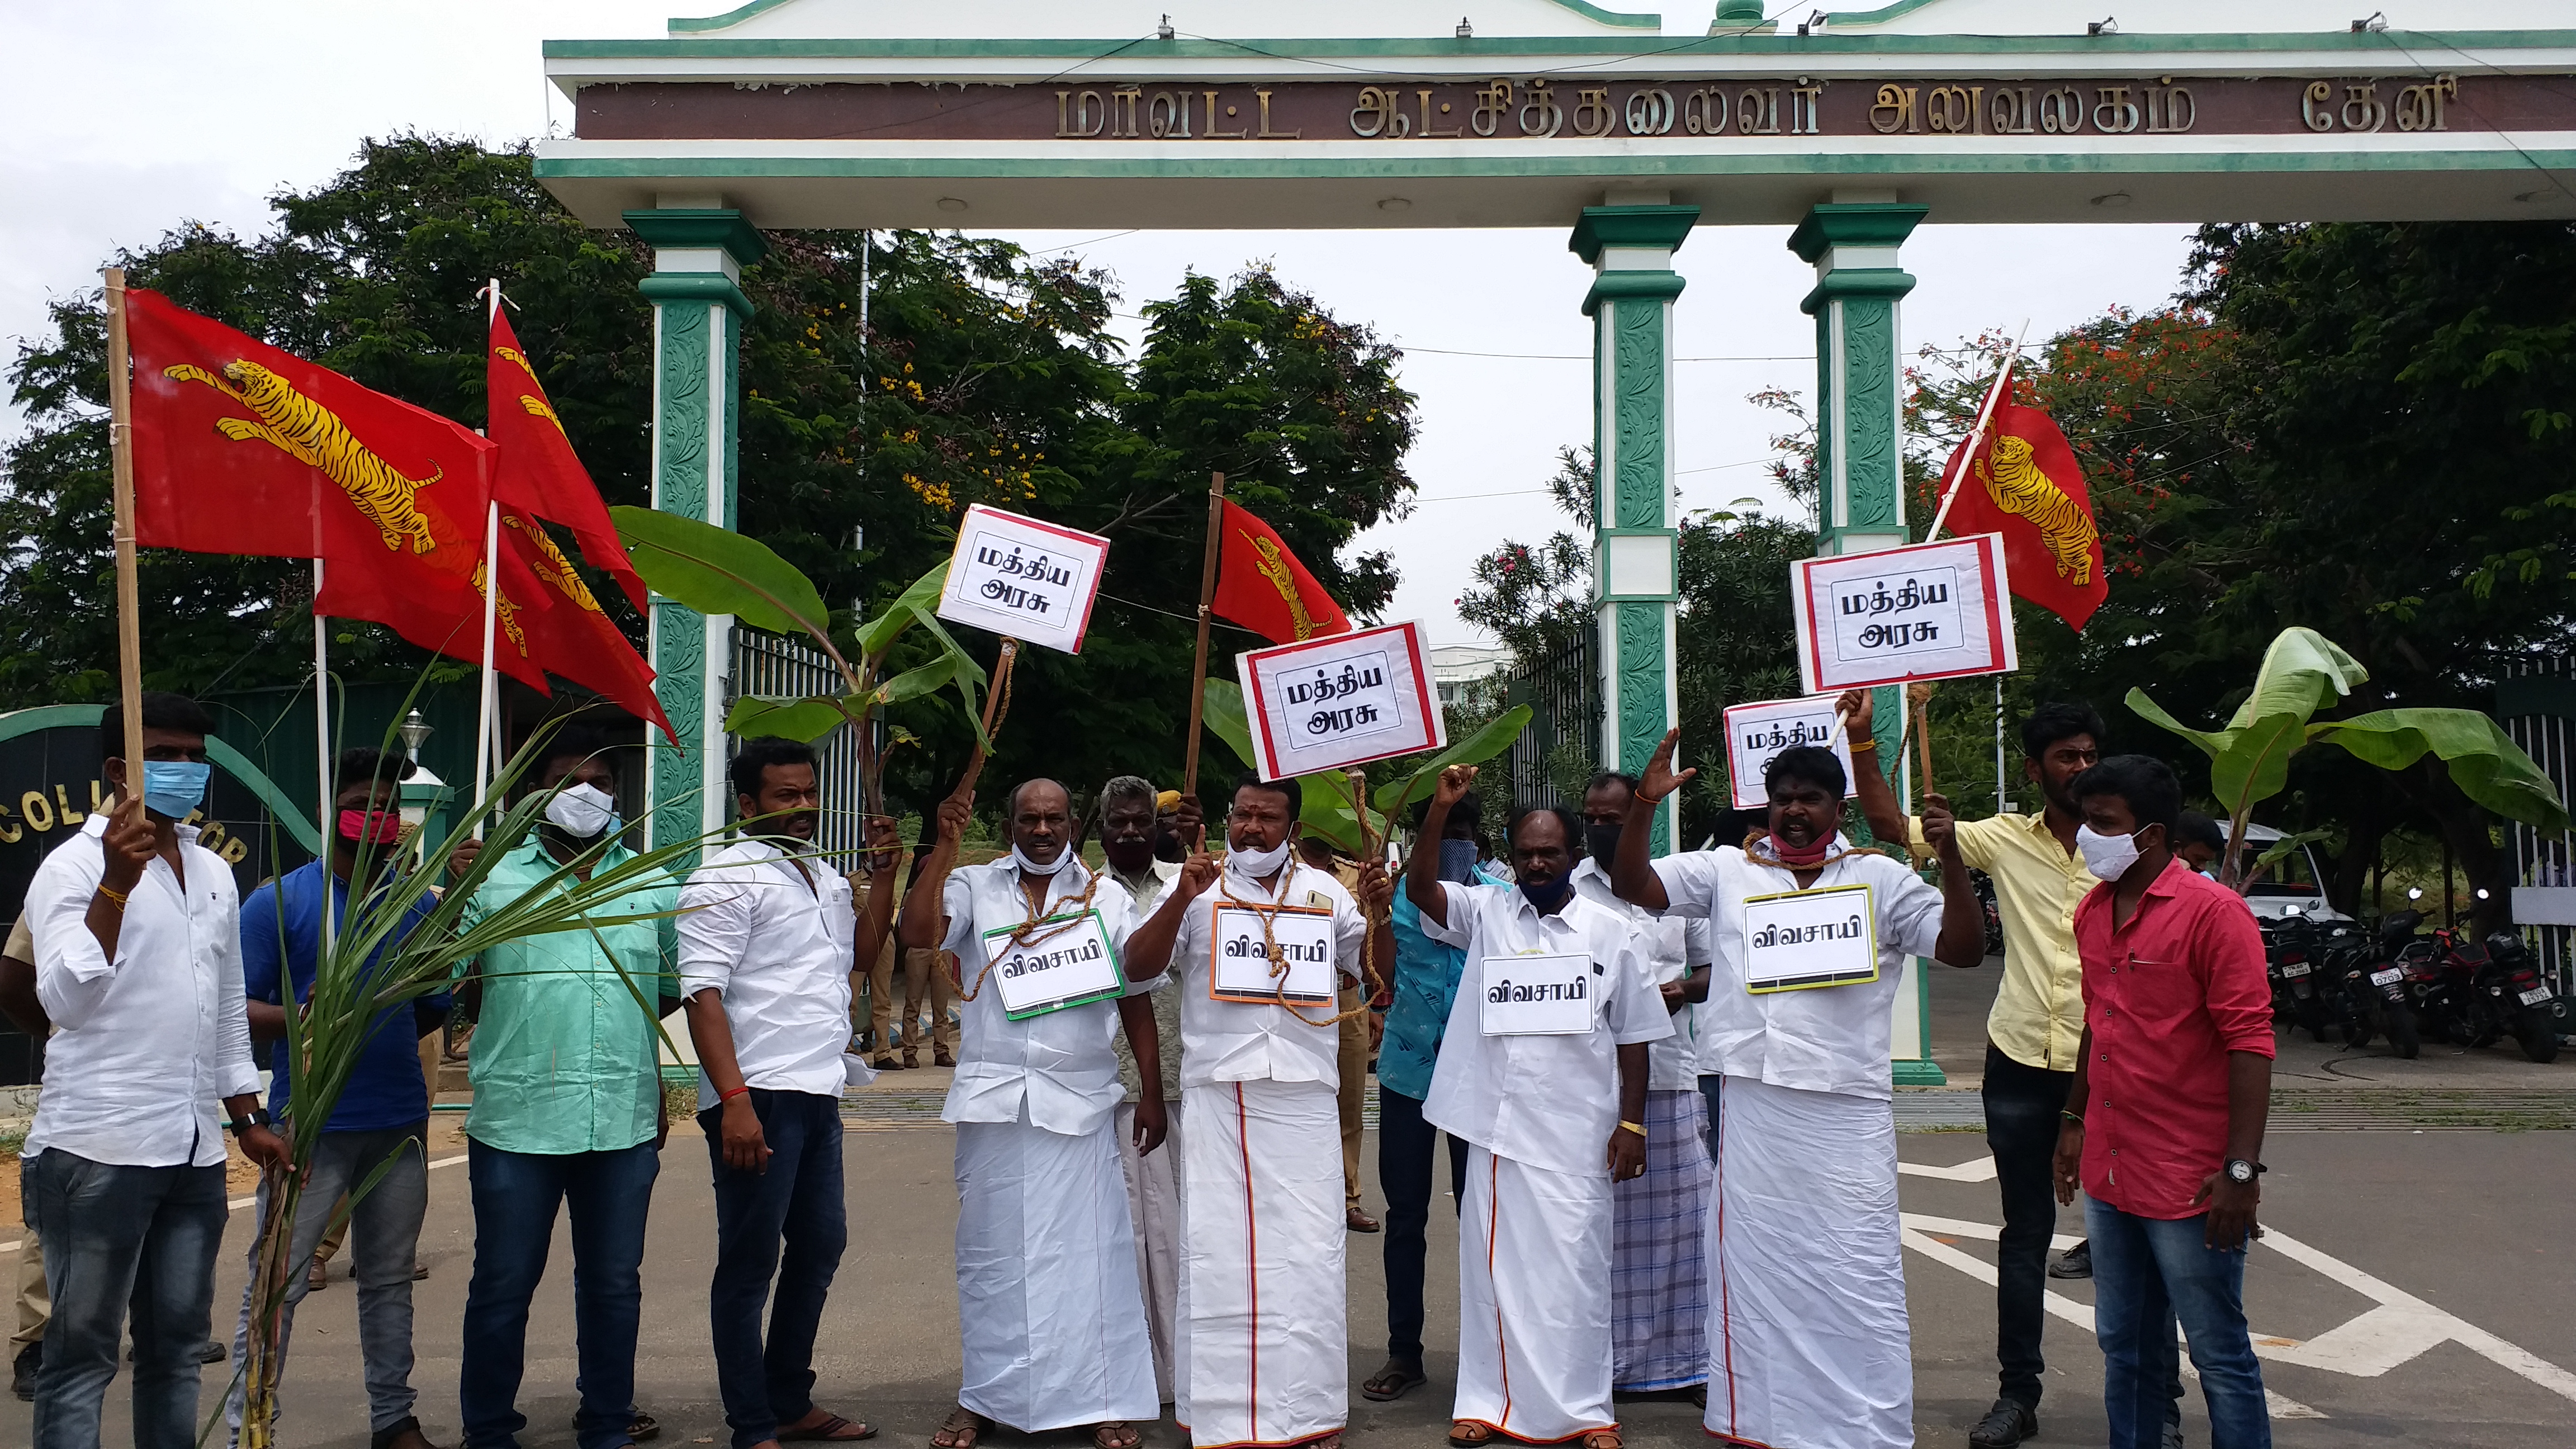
x: 569, y: 634
x: 242, y: 448
x: 2024, y: 483
x: 1263, y: 587
x: 537, y: 472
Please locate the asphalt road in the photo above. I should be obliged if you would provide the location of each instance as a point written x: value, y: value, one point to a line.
x: 2463, y: 1234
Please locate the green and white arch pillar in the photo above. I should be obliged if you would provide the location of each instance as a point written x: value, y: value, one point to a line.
x: 700, y: 247
x: 1629, y: 243
x: 1852, y: 242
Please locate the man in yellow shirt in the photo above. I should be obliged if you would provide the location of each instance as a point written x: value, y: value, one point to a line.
x: 2037, y: 1024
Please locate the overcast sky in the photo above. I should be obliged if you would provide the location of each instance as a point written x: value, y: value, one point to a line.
x: 127, y: 117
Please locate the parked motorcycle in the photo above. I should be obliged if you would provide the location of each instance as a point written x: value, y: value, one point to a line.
x: 2473, y: 993
x: 2289, y: 962
x: 2373, y: 984
x: 1994, y: 915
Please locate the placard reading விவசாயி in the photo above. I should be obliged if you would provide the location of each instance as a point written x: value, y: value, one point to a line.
x: 1929, y: 611
x: 1539, y: 995
x: 1346, y: 699
x: 1800, y: 939
x: 1239, y: 967
x: 1755, y: 733
x: 1067, y: 961
x: 1022, y: 578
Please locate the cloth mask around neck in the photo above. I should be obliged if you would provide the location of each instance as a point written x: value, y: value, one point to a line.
x: 581, y: 811
x: 2107, y: 856
x: 1257, y: 864
x: 1020, y: 858
x: 1800, y: 857
x: 172, y: 788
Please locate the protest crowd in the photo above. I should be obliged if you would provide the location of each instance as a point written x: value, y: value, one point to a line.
x: 1666, y: 1093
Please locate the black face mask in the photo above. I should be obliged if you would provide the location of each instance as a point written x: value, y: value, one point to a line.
x: 1601, y: 842
x: 1547, y: 897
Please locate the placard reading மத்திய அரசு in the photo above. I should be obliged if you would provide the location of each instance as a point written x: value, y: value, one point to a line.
x: 1926, y: 611
x: 1345, y: 699
x: 1023, y: 578
x: 1755, y: 733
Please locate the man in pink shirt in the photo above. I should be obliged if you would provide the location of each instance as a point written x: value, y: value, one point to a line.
x: 2164, y: 1125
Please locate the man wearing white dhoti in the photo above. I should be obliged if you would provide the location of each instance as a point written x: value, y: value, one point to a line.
x: 1050, y: 1313
x: 1808, y: 1338
x: 1258, y: 961
x: 1543, y: 1072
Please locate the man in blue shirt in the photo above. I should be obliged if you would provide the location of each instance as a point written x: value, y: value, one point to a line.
x: 381, y: 1119
x: 1426, y: 977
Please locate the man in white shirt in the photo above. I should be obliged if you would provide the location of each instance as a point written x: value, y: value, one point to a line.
x: 1257, y: 961
x: 138, y: 965
x: 1543, y: 1071
x: 1133, y: 835
x: 1807, y: 1334
x: 1658, y: 1267
x: 766, y: 950
x: 1048, y: 1307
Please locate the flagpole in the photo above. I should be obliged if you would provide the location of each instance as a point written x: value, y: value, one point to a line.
x: 1985, y: 418
x: 129, y: 621
x: 488, y: 708
x: 1198, y: 659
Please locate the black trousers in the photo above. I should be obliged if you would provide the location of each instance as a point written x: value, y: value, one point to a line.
x: 1405, y: 1147
x: 2022, y: 1107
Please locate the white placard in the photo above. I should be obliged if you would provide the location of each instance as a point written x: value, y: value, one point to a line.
x: 1342, y: 700
x: 1539, y: 995
x: 1757, y: 732
x: 1801, y: 939
x: 1065, y: 963
x: 1239, y: 962
x: 1016, y: 576
x: 1930, y: 611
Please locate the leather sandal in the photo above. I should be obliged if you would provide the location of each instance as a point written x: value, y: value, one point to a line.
x: 1601, y: 1439
x: 833, y: 1430
x: 1115, y: 1434
x: 1393, y: 1381
x: 1467, y: 1433
x: 960, y: 1431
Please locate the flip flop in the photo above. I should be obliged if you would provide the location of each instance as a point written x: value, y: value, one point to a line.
x: 961, y: 1431
x: 1392, y: 1382
x: 827, y: 1432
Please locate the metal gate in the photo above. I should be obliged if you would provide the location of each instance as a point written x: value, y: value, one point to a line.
x: 777, y: 664
x: 1563, y: 691
x: 2536, y: 702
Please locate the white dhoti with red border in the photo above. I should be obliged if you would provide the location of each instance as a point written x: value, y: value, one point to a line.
x: 1534, y: 1300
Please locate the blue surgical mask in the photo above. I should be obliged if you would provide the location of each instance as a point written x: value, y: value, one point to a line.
x: 172, y: 788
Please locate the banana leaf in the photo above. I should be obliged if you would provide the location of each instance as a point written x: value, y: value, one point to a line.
x: 717, y: 571
x: 2249, y: 760
x: 805, y: 720
x: 1396, y: 796
x: 2484, y: 762
x: 1221, y: 711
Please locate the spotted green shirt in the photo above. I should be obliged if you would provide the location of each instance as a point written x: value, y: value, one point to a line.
x: 564, y: 1059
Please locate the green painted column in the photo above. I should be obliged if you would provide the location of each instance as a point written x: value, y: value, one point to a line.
x: 1629, y: 245
x: 698, y: 309
x: 1852, y: 242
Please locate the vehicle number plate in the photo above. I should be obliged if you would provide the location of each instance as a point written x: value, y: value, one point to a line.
x: 2388, y: 977
x: 2535, y: 996
x: 2294, y: 968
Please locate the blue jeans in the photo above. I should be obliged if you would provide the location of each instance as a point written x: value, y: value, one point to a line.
x: 2147, y: 1272
x: 789, y: 1222
x: 1404, y: 1162
x: 116, y: 1239
x: 515, y: 1197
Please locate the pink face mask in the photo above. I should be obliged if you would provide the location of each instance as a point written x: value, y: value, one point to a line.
x: 377, y: 827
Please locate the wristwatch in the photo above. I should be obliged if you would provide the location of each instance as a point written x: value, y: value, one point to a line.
x: 2240, y: 1171
x: 258, y: 1118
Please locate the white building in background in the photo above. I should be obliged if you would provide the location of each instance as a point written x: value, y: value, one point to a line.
x: 1469, y: 676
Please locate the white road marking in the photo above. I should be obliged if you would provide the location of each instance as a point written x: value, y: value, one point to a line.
x: 1975, y: 1169
x: 242, y: 1202
x: 1916, y: 1234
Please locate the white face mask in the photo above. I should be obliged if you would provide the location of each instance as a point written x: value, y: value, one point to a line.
x: 1021, y: 860
x: 2107, y: 856
x: 581, y: 811
x: 1257, y: 864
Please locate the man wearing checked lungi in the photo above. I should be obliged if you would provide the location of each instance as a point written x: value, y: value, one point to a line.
x: 1543, y: 1071
x: 1808, y: 1339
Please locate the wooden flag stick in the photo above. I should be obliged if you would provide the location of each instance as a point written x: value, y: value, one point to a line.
x: 1976, y: 435
x: 129, y: 618
x: 997, y: 703
x: 1207, y: 604
x: 1920, y: 697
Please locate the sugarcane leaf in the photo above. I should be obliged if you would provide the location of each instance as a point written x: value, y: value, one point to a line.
x: 806, y: 720
x: 1396, y: 796
x: 2483, y: 760
x: 718, y: 571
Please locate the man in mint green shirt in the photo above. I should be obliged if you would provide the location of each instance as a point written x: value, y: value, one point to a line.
x: 567, y: 1109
